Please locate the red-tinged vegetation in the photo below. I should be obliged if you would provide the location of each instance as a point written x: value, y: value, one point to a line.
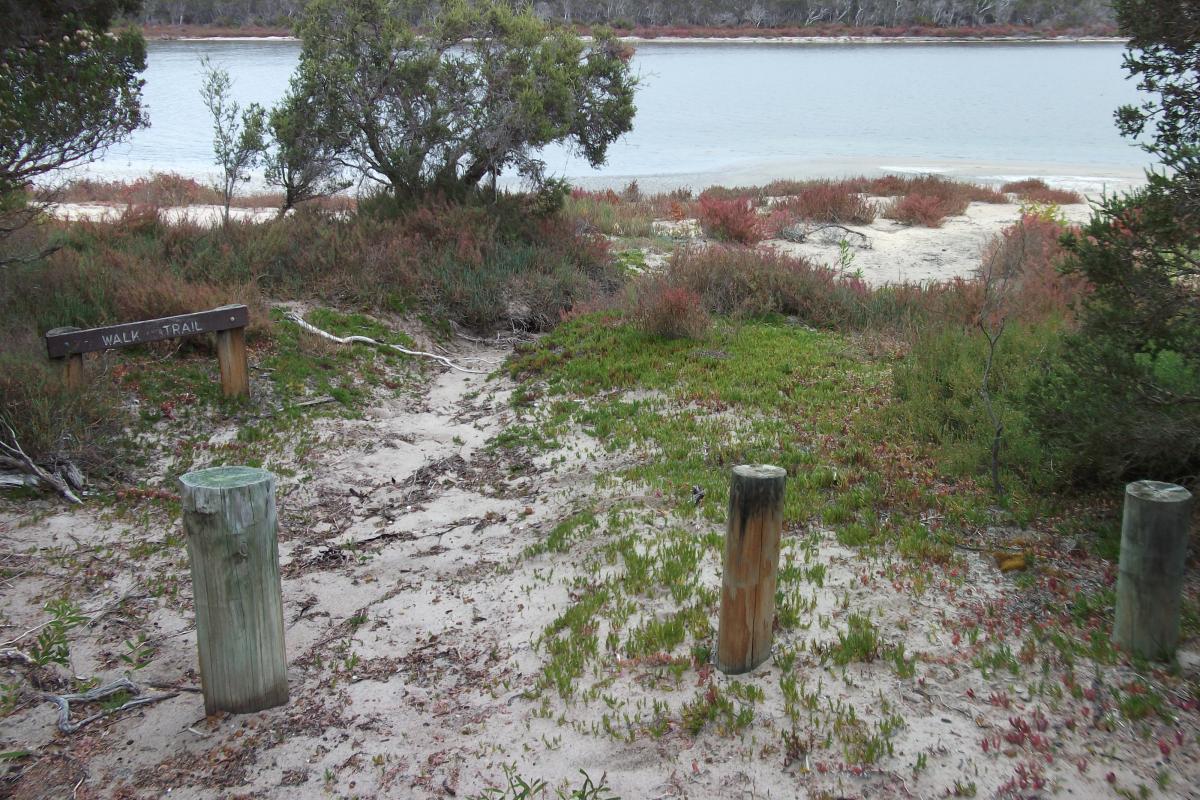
x: 822, y: 201
x: 600, y: 196
x: 730, y: 220
x: 925, y: 210
x: 158, y: 190
x: 928, y: 199
x: 1035, y: 190
x: 671, y: 312
x: 1030, y: 254
x: 932, y: 185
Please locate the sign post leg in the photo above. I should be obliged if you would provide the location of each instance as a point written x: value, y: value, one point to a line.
x: 235, y: 371
x: 72, y: 368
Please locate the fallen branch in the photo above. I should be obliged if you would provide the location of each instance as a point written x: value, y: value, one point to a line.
x: 313, y: 329
x: 12, y: 456
x: 13, y: 654
x: 17, y: 480
x: 801, y: 233
x: 63, y: 701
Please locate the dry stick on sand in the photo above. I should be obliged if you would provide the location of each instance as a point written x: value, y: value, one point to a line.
x: 63, y: 702
x: 313, y: 329
x: 11, y: 455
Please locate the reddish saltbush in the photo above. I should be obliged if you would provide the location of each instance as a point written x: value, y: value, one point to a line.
x: 734, y: 280
x: 827, y: 201
x: 1021, y: 265
x: 750, y: 193
x: 159, y: 190
x: 923, y: 209
x: 672, y: 312
x: 930, y: 185
x: 730, y: 220
x: 1035, y: 190
x: 604, y: 196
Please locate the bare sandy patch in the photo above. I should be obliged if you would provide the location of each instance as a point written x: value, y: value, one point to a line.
x: 887, y: 251
x: 206, y: 215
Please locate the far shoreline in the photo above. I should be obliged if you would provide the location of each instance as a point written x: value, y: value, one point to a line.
x: 908, y: 35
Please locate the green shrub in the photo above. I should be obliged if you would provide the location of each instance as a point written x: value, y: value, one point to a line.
x: 937, y: 389
x: 1124, y: 402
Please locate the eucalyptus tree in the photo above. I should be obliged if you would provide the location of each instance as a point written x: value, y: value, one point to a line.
x: 480, y: 88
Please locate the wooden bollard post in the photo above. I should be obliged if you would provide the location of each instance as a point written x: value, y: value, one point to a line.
x: 751, y: 562
x: 229, y: 518
x: 72, y: 365
x: 1154, y: 542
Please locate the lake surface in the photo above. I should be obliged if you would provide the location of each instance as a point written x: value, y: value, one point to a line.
x: 749, y: 112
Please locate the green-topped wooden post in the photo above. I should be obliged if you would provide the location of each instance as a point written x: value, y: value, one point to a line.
x: 229, y: 518
x: 744, y: 635
x: 1154, y: 543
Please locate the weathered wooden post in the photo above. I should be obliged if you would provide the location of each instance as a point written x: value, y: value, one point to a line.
x: 72, y: 363
x: 752, y: 533
x: 1154, y: 542
x: 229, y: 518
x: 231, y: 355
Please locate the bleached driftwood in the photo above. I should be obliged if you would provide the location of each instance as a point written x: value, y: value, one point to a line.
x: 63, y: 701
x: 313, y: 329
x: 12, y: 457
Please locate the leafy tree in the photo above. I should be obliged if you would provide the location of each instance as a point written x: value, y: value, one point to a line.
x: 237, y: 134
x: 1164, y: 56
x: 480, y: 89
x: 68, y: 89
x: 1125, y: 402
x: 300, y: 160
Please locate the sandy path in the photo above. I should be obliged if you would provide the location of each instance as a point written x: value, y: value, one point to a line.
x: 404, y: 616
x: 413, y: 618
x: 414, y: 622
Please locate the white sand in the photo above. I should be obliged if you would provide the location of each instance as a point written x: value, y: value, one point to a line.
x: 899, y: 253
x: 409, y: 522
x: 207, y: 215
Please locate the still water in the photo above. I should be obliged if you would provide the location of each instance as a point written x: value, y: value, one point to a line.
x: 750, y: 111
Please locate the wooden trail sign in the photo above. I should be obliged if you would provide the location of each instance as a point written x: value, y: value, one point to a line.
x: 227, y: 322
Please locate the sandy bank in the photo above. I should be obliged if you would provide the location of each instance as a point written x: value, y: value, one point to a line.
x: 224, y: 36
x: 896, y: 253
x: 206, y: 215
